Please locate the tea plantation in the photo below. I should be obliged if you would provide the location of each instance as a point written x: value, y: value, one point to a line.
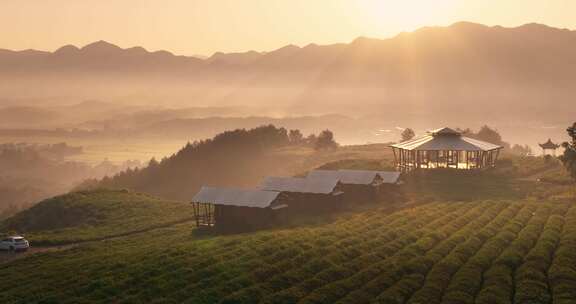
x: 447, y: 252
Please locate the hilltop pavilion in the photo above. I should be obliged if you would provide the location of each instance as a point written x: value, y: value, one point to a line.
x: 549, y: 146
x: 444, y: 148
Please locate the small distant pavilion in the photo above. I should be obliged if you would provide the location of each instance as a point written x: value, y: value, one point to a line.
x: 444, y: 148
x: 549, y: 148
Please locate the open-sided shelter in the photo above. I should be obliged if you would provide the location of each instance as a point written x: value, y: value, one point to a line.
x: 306, y: 194
x: 361, y: 185
x: 444, y: 148
x: 230, y: 208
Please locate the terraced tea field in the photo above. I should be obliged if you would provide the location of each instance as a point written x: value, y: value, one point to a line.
x: 473, y: 252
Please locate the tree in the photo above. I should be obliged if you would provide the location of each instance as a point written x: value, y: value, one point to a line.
x: 569, y: 156
x: 489, y: 135
x: 310, y: 140
x: 521, y: 150
x: 325, y: 141
x: 295, y: 137
x: 407, y: 134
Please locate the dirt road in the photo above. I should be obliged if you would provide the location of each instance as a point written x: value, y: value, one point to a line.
x: 8, y: 256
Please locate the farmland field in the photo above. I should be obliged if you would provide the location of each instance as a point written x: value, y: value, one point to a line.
x: 466, y: 252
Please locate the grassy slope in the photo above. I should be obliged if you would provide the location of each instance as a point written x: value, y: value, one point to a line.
x: 92, y: 215
x: 490, y: 252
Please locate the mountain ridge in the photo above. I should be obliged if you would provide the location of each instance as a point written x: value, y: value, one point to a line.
x: 105, y: 46
x: 466, y: 63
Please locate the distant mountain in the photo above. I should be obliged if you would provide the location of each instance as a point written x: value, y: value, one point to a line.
x: 476, y: 69
x: 97, y: 57
x: 25, y: 116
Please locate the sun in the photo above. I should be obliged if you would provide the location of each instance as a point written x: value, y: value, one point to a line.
x: 407, y: 14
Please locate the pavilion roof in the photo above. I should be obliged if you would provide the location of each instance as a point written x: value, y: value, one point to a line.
x: 300, y: 185
x: 445, y: 139
x: 549, y: 145
x: 235, y: 197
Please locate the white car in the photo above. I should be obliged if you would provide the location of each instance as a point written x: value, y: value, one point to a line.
x: 14, y: 243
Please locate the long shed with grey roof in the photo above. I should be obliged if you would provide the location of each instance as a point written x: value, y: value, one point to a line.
x: 362, y: 185
x: 300, y: 185
x: 357, y: 177
x: 306, y: 194
x: 444, y: 148
x: 236, y: 209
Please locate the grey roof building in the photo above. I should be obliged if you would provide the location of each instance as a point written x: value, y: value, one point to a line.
x: 235, y: 208
x: 236, y: 197
x: 301, y: 185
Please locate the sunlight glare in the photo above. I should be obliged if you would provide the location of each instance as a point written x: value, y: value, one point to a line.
x: 407, y: 15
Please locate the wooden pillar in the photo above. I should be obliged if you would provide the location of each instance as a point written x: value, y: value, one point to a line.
x: 478, y: 159
x: 457, y: 158
x: 195, y: 213
x: 395, y: 160
x: 405, y: 160
x: 402, y: 159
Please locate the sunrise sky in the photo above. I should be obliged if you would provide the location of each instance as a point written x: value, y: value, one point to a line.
x: 193, y: 27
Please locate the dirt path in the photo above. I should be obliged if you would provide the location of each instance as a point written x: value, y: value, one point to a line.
x: 8, y: 256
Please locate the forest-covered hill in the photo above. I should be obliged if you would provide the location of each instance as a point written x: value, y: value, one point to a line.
x: 239, y: 158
